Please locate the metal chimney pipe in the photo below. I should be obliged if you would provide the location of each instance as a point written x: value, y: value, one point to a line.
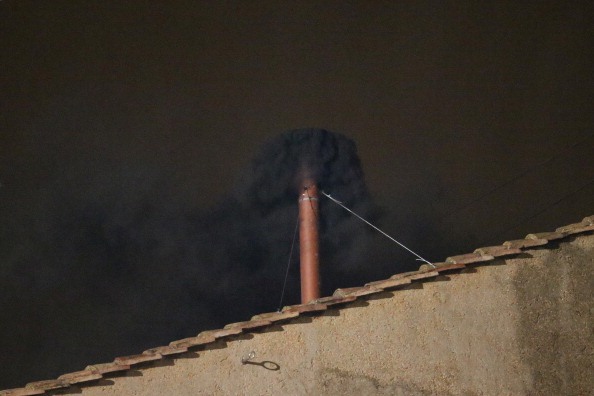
x: 309, y: 241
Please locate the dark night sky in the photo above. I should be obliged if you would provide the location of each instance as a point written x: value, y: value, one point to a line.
x: 473, y: 122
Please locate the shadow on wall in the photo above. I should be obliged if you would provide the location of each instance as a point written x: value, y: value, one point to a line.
x: 554, y: 297
x: 339, y: 382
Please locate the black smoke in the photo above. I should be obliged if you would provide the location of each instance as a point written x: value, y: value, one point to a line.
x: 107, y: 266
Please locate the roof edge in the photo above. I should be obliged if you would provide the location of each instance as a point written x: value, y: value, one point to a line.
x: 480, y: 256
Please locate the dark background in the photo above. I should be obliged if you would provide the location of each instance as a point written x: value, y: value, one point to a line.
x: 124, y: 124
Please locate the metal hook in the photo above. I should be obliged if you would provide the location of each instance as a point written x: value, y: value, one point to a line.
x: 246, y: 358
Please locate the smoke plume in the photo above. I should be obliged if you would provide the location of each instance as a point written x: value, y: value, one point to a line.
x: 109, y: 271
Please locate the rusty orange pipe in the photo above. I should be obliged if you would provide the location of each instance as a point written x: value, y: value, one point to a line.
x: 309, y: 242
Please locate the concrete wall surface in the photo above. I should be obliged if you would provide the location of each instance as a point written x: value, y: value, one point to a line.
x: 522, y: 326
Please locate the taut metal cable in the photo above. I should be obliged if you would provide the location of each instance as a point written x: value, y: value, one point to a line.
x: 566, y: 151
x: 280, y: 305
x: 541, y: 211
x: 419, y: 258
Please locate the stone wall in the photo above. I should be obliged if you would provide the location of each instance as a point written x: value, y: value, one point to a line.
x: 520, y: 326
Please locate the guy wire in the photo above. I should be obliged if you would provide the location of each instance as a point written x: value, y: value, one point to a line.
x: 280, y: 305
x: 419, y: 258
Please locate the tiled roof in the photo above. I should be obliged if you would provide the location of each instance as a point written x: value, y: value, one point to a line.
x: 451, y: 265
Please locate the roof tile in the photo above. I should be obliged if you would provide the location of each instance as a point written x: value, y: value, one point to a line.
x: 80, y: 376
x: 427, y: 268
x: 47, y: 385
x: 549, y: 236
x: 389, y: 283
x: 104, y: 368
x: 21, y: 392
x: 468, y: 258
x: 249, y: 324
x: 575, y: 228
x: 413, y: 273
x: 441, y: 267
x: 335, y: 300
x: 276, y: 316
x: 425, y: 271
x: 302, y: 308
x: 220, y: 333
x: 139, y: 358
x: 497, y: 251
x: 166, y: 350
x: 201, y: 339
x: 356, y: 291
x: 524, y: 243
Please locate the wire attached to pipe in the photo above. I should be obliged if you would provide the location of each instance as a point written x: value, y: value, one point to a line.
x: 280, y: 305
x: 309, y: 198
x: 419, y: 258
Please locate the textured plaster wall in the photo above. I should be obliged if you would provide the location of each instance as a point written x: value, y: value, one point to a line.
x: 522, y: 326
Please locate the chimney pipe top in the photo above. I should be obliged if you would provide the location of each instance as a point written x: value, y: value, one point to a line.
x: 309, y: 241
